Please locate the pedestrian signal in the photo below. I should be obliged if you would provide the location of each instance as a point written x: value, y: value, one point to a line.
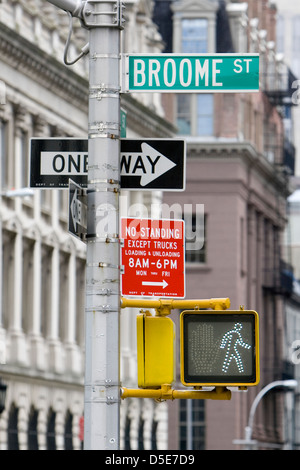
x: 219, y: 348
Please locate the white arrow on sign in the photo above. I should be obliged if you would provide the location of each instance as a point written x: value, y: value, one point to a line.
x: 77, y: 211
x: 162, y: 284
x: 149, y: 164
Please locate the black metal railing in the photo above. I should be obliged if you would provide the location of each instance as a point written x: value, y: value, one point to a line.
x: 279, y: 279
x: 278, y: 86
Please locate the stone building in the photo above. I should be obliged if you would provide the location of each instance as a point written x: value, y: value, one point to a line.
x: 42, y: 266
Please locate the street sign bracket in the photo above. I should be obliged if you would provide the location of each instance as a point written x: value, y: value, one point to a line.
x: 167, y: 393
x: 93, y: 19
x: 164, y: 306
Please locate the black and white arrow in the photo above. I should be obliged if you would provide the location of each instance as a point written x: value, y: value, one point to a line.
x: 149, y: 164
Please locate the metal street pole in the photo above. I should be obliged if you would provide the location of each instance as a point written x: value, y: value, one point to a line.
x: 103, y: 19
x: 73, y: 6
x: 289, y: 384
x: 102, y: 378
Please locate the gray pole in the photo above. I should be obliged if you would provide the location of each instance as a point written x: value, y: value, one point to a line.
x: 102, y: 378
x: 103, y: 18
x: 289, y: 384
x: 73, y: 6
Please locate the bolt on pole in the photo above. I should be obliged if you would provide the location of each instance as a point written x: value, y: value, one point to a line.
x: 103, y: 19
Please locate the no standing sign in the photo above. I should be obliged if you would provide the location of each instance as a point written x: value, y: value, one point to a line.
x: 153, y: 257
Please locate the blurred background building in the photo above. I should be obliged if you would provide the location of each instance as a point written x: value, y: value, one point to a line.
x: 240, y: 160
x: 288, y: 20
x: 241, y: 157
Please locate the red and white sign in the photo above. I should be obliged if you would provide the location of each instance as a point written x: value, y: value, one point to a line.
x: 153, y: 257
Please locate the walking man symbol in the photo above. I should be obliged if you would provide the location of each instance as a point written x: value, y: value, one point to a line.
x: 231, y: 341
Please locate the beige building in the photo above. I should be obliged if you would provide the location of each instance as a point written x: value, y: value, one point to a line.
x: 42, y: 266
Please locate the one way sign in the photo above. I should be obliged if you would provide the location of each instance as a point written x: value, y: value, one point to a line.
x: 153, y: 164
x: 148, y: 164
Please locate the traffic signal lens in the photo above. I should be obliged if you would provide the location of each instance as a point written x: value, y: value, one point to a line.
x: 219, y: 348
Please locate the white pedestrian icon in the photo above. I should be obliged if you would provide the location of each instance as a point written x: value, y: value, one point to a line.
x: 231, y: 340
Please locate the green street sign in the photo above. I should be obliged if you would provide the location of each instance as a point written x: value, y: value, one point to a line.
x: 193, y: 73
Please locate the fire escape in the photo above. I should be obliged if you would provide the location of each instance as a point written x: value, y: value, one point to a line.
x: 277, y: 84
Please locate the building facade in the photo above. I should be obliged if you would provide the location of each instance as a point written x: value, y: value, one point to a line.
x: 287, y: 45
x: 42, y: 266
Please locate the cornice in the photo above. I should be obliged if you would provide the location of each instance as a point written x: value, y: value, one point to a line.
x: 195, y: 6
x: 144, y: 121
x: 239, y: 149
x: 31, y: 61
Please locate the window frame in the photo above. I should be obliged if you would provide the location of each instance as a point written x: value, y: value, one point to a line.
x: 191, y: 101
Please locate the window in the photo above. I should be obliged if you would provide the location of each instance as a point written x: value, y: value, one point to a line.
x: 195, y: 111
x: 32, y: 431
x: 243, y: 253
x: 3, y: 154
x: 141, y: 434
x: 68, y: 431
x: 51, y: 442
x: 24, y: 159
x: 205, y: 118
x: 195, y: 242
x: 191, y: 425
x: 154, y: 435
x: 280, y: 40
x: 27, y: 284
x: 194, y: 36
x: 80, y: 300
x: 127, y: 445
x: 270, y: 144
x: 46, y: 289
x: 8, y: 268
x: 184, y: 114
x: 12, y: 429
x: 295, y: 46
x: 63, y: 294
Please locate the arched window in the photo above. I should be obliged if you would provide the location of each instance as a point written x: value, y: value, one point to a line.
x: 32, y: 429
x: 12, y: 430
x: 141, y: 434
x: 51, y: 441
x: 153, y: 435
x: 127, y: 434
x: 68, y: 431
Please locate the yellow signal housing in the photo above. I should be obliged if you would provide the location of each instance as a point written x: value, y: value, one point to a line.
x: 155, y: 351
